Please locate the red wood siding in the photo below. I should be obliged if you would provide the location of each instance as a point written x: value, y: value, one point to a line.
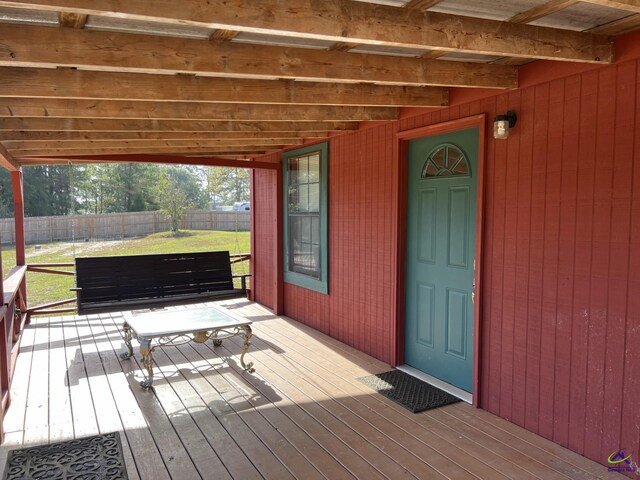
x: 358, y: 309
x: 263, y: 211
x: 561, y: 272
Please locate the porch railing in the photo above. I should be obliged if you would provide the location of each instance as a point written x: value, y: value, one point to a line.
x: 13, y: 316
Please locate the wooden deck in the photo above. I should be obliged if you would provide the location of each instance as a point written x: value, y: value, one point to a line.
x: 302, y: 414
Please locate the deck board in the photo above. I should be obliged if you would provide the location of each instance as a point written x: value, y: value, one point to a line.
x: 301, y: 415
x: 83, y: 411
x: 59, y: 403
x: 108, y: 417
x: 36, y: 424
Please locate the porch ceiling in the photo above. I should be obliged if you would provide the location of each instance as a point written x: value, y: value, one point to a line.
x: 230, y: 78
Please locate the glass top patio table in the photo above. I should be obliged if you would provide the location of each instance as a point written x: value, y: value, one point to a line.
x: 175, y: 322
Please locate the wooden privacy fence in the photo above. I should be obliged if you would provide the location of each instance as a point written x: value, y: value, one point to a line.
x: 117, y: 225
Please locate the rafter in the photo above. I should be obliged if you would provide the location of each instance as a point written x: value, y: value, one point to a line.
x: 133, y: 136
x: 233, y: 150
x: 48, y: 47
x: 109, y: 125
x: 359, y: 22
x: 63, y: 108
x: 543, y: 10
x: 65, y: 83
x: 7, y: 161
x: 515, y: 61
x: 151, y: 144
x: 216, y: 160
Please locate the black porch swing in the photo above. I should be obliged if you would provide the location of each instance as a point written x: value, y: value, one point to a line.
x: 115, y: 283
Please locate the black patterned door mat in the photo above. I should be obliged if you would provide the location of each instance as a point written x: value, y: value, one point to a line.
x: 410, y: 392
x: 91, y: 458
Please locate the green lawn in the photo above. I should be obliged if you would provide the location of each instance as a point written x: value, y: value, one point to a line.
x: 43, y: 288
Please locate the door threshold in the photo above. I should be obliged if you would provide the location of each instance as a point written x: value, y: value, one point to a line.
x: 447, y: 387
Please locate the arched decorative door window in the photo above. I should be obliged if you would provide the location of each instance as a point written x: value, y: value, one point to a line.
x: 446, y: 160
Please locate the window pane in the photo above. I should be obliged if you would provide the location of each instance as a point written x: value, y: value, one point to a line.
x: 305, y: 229
x: 315, y: 259
x: 303, y: 198
x: 314, y: 197
x: 303, y: 174
x: 438, y: 158
x: 294, y: 199
x: 293, y: 171
x: 314, y: 167
x: 445, y: 161
x: 304, y: 210
x: 294, y: 229
x: 315, y: 230
x: 303, y: 260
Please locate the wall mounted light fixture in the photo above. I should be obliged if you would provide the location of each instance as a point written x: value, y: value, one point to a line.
x: 502, y: 124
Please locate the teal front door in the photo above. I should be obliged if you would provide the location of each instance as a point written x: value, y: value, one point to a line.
x: 441, y: 229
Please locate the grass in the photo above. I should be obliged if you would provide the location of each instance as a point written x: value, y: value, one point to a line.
x: 44, y: 288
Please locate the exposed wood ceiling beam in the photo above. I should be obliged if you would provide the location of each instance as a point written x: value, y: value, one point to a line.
x: 358, y: 22
x: 215, y: 161
x: 618, y: 27
x: 108, y: 125
x: 96, y: 50
x: 65, y: 83
x: 64, y: 108
x: 151, y: 144
x: 7, y: 161
x: 237, y: 150
x: 628, y: 5
x: 421, y: 5
x: 72, y: 20
x: 512, y: 61
x: 43, y: 137
x: 543, y: 10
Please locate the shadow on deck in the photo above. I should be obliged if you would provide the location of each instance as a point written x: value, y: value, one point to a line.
x: 302, y: 414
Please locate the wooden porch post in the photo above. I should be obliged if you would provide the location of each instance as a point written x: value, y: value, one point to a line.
x: 18, y: 213
x: 18, y: 209
x: 252, y: 232
x: 278, y: 301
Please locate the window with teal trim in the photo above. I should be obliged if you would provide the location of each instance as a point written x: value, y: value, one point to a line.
x: 305, y: 217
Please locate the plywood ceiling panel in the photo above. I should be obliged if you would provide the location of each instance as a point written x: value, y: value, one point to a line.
x: 282, y: 40
x: 385, y: 50
x: 490, y: 9
x: 33, y: 17
x: 581, y: 16
x: 97, y: 22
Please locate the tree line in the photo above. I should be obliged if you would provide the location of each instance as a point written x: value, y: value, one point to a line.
x: 123, y: 187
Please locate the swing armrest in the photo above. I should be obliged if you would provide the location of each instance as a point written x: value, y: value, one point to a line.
x: 243, y: 280
x: 75, y: 289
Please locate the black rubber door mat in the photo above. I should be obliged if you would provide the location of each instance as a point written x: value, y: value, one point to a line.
x: 410, y: 392
x: 95, y: 458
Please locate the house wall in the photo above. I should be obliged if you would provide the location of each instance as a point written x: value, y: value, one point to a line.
x: 560, y: 335
x: 264, y: 214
